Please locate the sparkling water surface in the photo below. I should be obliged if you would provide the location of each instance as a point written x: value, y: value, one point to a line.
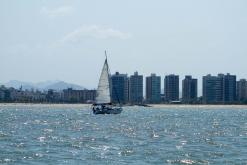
x: 48, y: 134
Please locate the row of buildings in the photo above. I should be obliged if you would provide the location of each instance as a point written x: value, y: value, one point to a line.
x: 51, y: 96
x: 220, y: 89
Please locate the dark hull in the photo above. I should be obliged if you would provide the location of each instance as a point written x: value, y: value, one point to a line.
x: 113, y: 110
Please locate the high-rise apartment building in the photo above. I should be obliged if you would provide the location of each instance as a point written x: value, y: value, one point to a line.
x: 189, y: 90
x: 242, y: 90
x: 136, y: 88
x: 219, y: 89
x: 119, y: 88
x: 153, y: 89
x: 212, y: 89
x: 171, y: 88
x: 229, y: 88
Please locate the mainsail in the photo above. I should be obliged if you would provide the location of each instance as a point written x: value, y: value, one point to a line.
x: 103, y: 91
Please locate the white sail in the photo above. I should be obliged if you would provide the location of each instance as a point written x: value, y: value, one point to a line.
x: 103, y: 91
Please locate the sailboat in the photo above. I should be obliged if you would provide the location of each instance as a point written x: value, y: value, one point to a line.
x: 103, y: 104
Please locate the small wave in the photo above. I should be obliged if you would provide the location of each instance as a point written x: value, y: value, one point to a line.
x: 18, y: 145
x: 126, y: 152
x: 2, y: 134
x: 183, y: 161
x: 6, y: 160
x: 36, y: 121
x: 48, y: 130
x: 179, y: 147
x: 39, y: 155
x: 183, y: 142
x: 154, y: 135
x: 187, y: 161
x: 41, y: 139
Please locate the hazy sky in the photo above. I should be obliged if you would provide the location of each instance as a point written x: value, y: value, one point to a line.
x: 65, y: 39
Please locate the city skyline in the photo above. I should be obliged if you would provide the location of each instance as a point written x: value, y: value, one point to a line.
x: 65, y: 40
x: 76, y: 86
x: 220, y: 89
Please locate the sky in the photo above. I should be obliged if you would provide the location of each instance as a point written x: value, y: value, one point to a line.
x: 65, y: 39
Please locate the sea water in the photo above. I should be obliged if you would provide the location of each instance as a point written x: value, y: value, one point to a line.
x: 69, y: 134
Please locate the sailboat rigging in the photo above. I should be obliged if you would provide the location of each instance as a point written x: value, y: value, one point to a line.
x: 103, y: 104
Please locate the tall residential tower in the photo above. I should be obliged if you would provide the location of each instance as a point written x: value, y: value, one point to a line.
x: 153, y: 89
x: 229, y: 88
x: 189, y: 93
x: 242, y: 90
x: 136, y: 88
x: 171, y: 88
x: 119, y: 88
x: 219, y: 89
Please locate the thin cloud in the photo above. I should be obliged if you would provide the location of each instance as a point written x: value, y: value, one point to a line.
x: 57, y: 12
x: 94, y: 31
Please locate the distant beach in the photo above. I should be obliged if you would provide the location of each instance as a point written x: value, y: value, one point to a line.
x: 151, y: 105
x: 45, y: 105
x: 198, y: 106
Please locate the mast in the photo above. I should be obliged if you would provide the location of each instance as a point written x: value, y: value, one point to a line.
x: 109, y: 76
x: 105, y: 55
x: 103, y: 94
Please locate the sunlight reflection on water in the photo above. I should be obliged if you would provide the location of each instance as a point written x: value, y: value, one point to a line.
x: 165, y: 135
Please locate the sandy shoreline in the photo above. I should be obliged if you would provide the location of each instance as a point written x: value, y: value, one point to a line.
x: 197, y: 106
x: 152, y: 105
x: 44, y: 105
